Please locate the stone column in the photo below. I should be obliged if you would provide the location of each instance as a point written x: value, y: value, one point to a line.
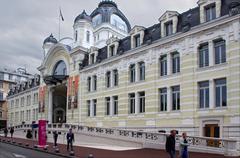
x: 112, y: 79
x: 169, y: 66
x: 136, y: 103
x: 211, y: 53
x: 91, y: 108
x: 211, y: 94
x: 169, y: 99
x: 50, y: 105
x: 111, y: 106
x: 136, y: 72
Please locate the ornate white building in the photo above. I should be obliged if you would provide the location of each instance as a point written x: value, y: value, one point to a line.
x: 181, y: 73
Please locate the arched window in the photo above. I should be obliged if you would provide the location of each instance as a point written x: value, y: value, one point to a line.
x: 60, y: 68
x: 97, y: 20
x: 88, y: 36
x: 118, y: 22
x: 76, y: 33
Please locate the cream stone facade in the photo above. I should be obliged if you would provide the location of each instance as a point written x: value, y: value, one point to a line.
x: 182, y: 73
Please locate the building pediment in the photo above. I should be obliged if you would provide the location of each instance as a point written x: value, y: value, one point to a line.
x: 136, y: 29
x: 168, y: 15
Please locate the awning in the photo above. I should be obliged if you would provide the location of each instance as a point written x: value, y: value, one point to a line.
x: 54, y: 79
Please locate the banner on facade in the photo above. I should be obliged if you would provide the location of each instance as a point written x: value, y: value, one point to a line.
x: 73, y: 92
x: 42, y: 91
x: 42, y: 133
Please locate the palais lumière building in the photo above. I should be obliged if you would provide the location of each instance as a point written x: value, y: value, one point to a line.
x: 182, y: 73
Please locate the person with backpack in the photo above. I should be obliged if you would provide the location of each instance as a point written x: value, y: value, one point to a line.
x: 170, y: 144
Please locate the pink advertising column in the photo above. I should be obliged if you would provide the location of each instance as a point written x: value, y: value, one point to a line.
x: 42, y: 133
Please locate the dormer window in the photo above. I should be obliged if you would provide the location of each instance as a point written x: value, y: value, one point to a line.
x: 137, y: 40
x: 111, y: 50
x: 92, y: 58
x: 210, y: 12
x: 169, y: 28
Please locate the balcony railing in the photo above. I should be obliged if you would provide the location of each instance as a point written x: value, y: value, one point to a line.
x: 227, y: 147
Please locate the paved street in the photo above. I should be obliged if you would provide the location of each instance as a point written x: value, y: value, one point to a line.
x: 10, y: 151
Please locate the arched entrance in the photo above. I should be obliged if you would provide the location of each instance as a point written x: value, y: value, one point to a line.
x: 59, y: 104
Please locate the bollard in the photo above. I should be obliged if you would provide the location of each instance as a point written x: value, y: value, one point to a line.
x: 19, y: 143
x: 45, y: 148
x: 71, y: 153
x: 27, y: 145
x: 13, y: 142
x: 35, y: 146
x: 90, y: 156
x: 8, y: 141
x: 57, y: 150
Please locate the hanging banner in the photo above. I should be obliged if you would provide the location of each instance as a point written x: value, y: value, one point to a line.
x: 73, y: 92
x: 42, y: 133
x: 42, y: 91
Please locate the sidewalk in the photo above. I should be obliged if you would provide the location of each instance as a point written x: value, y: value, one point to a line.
x: 83, y: 152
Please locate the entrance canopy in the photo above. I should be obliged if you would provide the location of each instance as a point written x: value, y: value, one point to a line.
x: 54, y: 79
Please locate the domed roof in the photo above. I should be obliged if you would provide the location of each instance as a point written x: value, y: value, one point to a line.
x: 107, y: 8
x: 82, y: 16
x: 50, y: 39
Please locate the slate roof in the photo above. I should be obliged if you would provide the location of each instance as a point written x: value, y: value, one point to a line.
x: 186, y: 20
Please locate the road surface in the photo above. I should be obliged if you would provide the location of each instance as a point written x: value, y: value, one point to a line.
x: 10, y: 151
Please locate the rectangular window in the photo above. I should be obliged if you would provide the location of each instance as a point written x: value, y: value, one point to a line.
x: 210, y: 12
x: 89, y: 84
x: 112, y: 50
x: 95, y: 83
x: 220, y: 51
x: 115, y: 105
x: 94, y: 107
x: 1, y: 76
x: 1, y: 84
x: 169, y: 28
x: 175, y: 98
x: 10, y: 77
x: 1, y: 96
x: 137, y: 40
x: 163, y: 65
x: 141, y: 71
x: 203, y: 94
x: 132, y: 103
x: 108, y: 104
x: 175, y: 62
x: 17, y: 103
x: 28, y: 100
x: 220, y: 93
x: 163, y: 99
x: 132, y: 73
x: 108, y: 79
x: 115, y: 74
x: 141, y: 102
x: 1, y: 114
x: 12, y: 104
x: 22, y: 101
x: 88, y: 108
x: 203, y: 56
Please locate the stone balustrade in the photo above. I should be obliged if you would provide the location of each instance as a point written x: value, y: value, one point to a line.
x: 227, y: 147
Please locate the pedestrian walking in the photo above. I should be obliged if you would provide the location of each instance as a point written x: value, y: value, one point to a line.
x: 5, y: 132
x: 183, y: 147
x: 55, y: 137
x: 170, y: 144
x: 29, y: 134
x: 11, y: 131
x: 70, y: 139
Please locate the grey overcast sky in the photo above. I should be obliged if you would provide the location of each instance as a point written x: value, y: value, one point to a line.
x: 24, y: 24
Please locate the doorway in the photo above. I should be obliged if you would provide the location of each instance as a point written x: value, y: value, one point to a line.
x: 59, y: 104
x: 213, y: 131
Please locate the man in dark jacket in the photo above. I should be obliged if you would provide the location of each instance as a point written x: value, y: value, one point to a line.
x: 5, y: 132
x: 70, y: 139
x: 11, y: 131
x: 170, y: 144
x: 55, y: 137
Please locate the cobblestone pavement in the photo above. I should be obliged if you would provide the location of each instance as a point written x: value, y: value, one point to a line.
x: 83, y: 152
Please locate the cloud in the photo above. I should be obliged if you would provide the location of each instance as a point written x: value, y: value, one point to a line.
x: 25, y: 24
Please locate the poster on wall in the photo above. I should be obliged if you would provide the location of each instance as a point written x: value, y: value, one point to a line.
x: 73, y: 92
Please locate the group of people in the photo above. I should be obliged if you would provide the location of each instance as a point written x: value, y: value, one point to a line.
x: 5, y: 131
x: 69, y: 136
x: 183, y: 145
